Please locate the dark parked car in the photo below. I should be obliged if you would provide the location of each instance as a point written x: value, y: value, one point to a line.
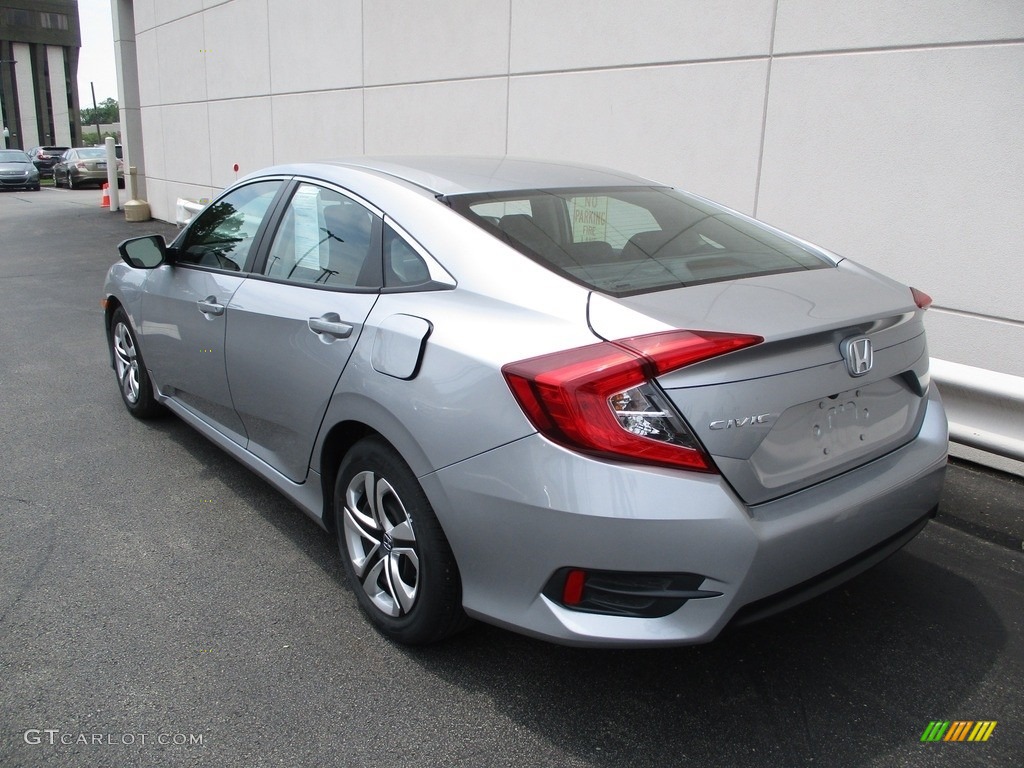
x: 84, y: 165
x: 44, y: 158
x: 17, y: 171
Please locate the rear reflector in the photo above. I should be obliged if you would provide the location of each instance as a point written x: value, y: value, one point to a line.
x: 618, y: 593
x: 572, y: 592
x: 922, y: 299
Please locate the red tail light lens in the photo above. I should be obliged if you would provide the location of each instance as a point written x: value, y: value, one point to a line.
x: 601, y: 399
x: 922, y: 299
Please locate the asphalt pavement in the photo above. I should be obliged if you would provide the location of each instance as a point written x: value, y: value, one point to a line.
x: 162, y: 606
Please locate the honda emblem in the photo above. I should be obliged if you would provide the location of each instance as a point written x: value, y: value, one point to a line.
x: 858, y: 355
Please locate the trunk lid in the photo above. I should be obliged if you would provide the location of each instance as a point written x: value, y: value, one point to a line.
x: 789, y: 413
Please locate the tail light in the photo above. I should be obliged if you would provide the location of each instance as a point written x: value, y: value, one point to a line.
x: 602, y: 399
x: 922, y: 299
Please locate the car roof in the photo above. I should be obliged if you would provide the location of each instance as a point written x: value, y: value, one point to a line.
x: 454, y: 175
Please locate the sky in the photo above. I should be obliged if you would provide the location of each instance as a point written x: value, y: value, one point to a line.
x: 96, y: 57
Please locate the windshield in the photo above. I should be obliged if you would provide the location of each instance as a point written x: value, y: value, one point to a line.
x: 12, y: 156
x: 629, y: 240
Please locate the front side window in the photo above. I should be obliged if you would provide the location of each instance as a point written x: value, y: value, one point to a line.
x: 325, y: 239
x: 630, y: 240
x: 223, y: 233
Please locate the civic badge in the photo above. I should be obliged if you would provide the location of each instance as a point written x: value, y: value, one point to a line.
x: 858, y: 354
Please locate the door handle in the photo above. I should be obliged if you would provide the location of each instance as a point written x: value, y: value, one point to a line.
x: 209, y: 306
x: 330, y: 325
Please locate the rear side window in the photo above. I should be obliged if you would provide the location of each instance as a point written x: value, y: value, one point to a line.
x: 624, y: 241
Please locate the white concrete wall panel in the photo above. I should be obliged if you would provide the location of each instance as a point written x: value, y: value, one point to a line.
x: 172, y: 10
x: 831, y: 25
x: 148, y: 56
x: 61, y: 114
x: 462, y: 117
x: 324, y: 55
x: 580, y: 34
x: 181, y: 60
x: 156, y: 196
x: 887, y: 131
x: 909, y: 162
x: 153, y: 133
x: 986, y: 342
x: 412, y: 42
x: 696, y: 126
x: 237, y: 50
x: 312, y: 126
x: 240, y: 132
x: 186, y: 143
x: 26, y: 97
x: 144, y: 12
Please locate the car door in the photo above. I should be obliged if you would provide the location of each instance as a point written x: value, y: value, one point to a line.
x: 292, y: 327
x: 185, y: 304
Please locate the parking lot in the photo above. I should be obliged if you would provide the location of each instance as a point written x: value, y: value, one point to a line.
x: 161, y: 606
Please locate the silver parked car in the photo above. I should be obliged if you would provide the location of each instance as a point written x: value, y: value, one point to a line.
x: 565, y: 400
x: 17, y: 170
x: 79, y: 166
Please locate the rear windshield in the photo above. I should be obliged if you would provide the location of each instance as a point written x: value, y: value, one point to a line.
x: 624, y: 241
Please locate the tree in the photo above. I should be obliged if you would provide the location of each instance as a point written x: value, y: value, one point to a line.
x: 105, y: 112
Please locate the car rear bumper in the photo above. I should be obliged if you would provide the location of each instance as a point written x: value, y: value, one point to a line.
x: 93, y: 176
x: 517, y: 514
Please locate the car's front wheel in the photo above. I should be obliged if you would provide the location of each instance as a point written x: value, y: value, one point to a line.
x: 395, y: 554
x: 132, y: 377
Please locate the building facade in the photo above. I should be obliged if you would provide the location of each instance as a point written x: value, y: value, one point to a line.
x: 888, y: 132
x: 39, y: 44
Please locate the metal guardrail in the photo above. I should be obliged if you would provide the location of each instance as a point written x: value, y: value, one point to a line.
x: 186, y: 208
x: 985, y: 408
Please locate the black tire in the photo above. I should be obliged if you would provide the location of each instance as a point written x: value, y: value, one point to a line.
x: 132, y: 377
x: 71, y: 181
x: 396, y: 556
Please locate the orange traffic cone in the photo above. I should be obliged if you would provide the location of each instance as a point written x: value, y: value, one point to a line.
x: 105, y: 203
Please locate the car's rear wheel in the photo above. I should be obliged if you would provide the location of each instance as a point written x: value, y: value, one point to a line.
x: 394, y: 552
x: 132, y: 377
x: 71, y: 181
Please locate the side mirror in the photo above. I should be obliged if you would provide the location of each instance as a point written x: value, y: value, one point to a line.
x: 146, y: 252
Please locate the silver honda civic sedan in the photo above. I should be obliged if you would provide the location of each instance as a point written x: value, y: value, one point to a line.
x: 561, y: 399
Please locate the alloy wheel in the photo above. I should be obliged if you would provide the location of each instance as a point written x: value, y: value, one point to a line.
x: 381, y: 544
x: 126, y: 361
